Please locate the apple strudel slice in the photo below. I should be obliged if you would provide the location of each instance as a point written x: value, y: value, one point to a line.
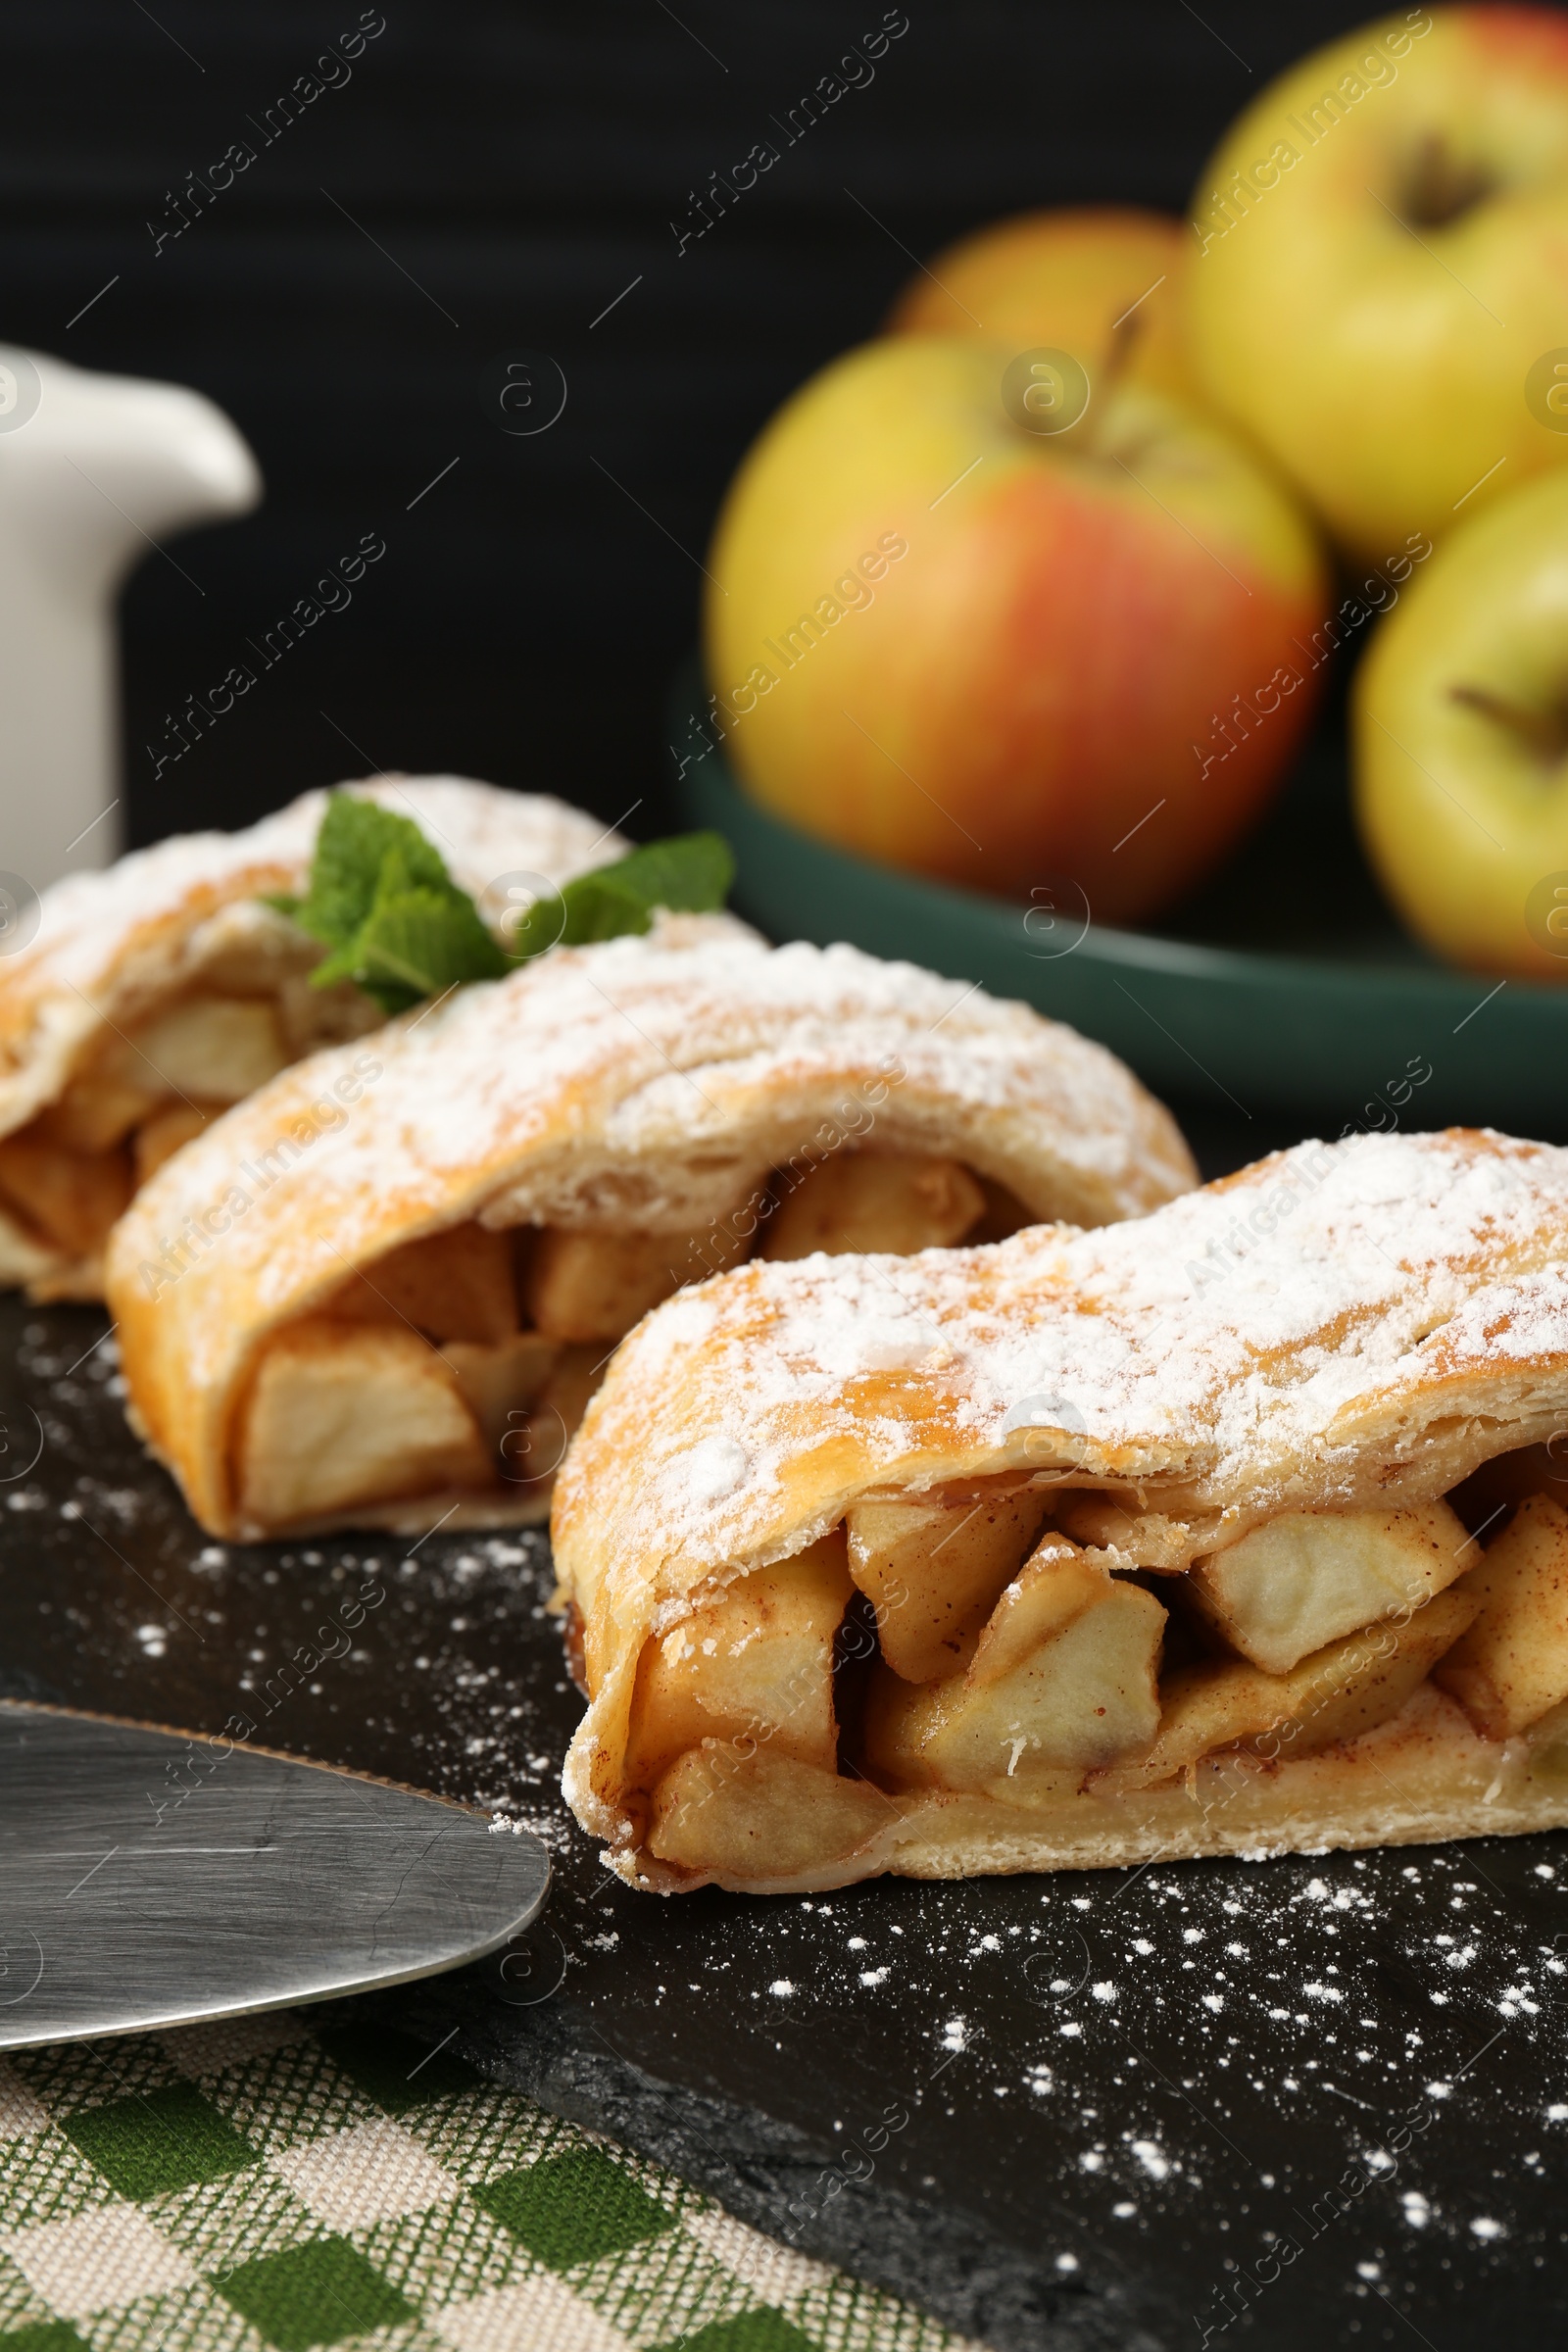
x: 1241, y: 1527
x: 154, y: 995
x: 385, y: 1284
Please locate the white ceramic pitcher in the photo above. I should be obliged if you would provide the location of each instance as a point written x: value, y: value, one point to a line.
x: 94, y: 470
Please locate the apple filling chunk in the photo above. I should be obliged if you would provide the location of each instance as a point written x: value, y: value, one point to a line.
x: 71, y: 1197
x: 1511, y: 1666
x: 1132, y: 1539
x: 595, y: 1286
x: 933, y: 1572
x: 501, y: 1383
x: 538, y: 1445
x: 761, y: 1815
x: 1302, y: 1580
x: 71, y: 1171
x: 1347, y: 1688
x: 752, y: 1668
x: 341, y: 1415
x: 1063, y: 1676
x: 96, y: 1112
x: 898, y: 1202
x: 217, y: 1048
x: 455, y: 1285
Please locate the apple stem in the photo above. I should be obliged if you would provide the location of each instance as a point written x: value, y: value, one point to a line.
x: 1443, y: 186
x: 1545, y: 732
x: 1124, y: 337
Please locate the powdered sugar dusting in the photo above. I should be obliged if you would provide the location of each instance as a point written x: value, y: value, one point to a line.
x: 1248, y: 1340
x: 695, y: 1043
x: 646, y: 1081
x: 715, y: 1468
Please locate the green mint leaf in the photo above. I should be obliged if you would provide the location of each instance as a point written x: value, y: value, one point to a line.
x: 382, y: 902
x: 418, y: 940
x: 351, y: 850
x: 421, y: 943
x: 690, y: 873
x: 394, y: 922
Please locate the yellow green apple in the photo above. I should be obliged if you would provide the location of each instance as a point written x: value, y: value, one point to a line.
x: 1460, y: 732
x: 975, y: 620
x: 1378, y: 289
x: 1069, y: 277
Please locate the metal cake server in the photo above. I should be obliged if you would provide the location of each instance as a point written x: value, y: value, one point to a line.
x: 147, y: 1879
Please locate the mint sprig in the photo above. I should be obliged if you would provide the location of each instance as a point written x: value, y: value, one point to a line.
x: 689, y: 874
x: 394, y: 922
x: 383, y: 904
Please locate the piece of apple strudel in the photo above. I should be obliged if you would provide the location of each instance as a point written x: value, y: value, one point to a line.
x: 385, y: 1284
x: 156, y: 992
x: 1191, y: 1536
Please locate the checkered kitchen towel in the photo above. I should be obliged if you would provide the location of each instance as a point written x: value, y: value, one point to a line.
x: 281, y: 2183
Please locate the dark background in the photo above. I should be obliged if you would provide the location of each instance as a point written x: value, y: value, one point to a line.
x: 520, y: 165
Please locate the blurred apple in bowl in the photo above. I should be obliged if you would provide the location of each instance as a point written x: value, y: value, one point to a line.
x: 1461, y: 742
x: 976, y: 614
x: 1379, y: 287
x: 1072, y: 277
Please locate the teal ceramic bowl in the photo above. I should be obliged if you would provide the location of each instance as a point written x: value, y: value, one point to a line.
x: 1282, y: 993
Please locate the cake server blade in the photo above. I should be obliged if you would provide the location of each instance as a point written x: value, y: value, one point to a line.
x: 148, y: 1878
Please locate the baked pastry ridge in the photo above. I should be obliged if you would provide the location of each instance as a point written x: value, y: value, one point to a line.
x: 384, y: 1286
x: 1242, y: 1526
x: 157, y: 992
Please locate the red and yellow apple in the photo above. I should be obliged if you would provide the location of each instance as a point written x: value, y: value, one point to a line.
x: 954, y: 638
x: 1461, y: 741
x: 1378, y: 290
x: 1066, y: 279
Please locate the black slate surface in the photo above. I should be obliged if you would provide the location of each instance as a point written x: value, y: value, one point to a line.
x: 1316, y: 2100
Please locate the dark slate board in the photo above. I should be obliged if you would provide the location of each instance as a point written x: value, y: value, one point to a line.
x: 1294, y: 2103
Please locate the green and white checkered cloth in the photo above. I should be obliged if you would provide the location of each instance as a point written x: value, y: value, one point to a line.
x: 285, y: 2182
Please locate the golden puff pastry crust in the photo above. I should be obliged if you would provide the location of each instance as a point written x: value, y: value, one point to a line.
x: 643, y: 1091
x: 115, y: 950
x: 1334, y: 1339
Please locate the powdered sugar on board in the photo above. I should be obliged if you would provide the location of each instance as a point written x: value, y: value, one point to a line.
x: 1185, y: 2048
x: 1246, y: 1330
